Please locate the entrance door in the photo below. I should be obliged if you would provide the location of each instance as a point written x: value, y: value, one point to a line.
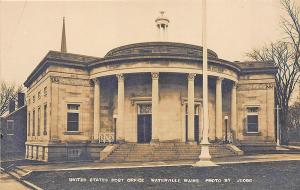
x: 144, y: 128
x: 144, y: 123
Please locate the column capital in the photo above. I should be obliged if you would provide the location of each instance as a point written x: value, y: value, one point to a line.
x: 234, y: 84
x: 54, y: 79
x: 220, y: 78
x: 155, y: 75
x: 96, y: 81
x: 120, y: 77
x: 191, y: 76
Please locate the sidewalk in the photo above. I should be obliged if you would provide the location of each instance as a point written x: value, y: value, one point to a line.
x: 7, y: 182
x: 102, y: 165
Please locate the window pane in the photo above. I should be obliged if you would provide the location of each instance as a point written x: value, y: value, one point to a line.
x: 10, y: 127
x: 72, y: 126
x: 145, y: 109
x: 45, y: 120
x: 252, y: 110
x: 33, y: 123
x: 39, y: 122
x: 73, y: 106
x: 72, y: 116
x: 72, y: 119
x: 252, y: 123
x: 252, y: 119
x: 252, y: 128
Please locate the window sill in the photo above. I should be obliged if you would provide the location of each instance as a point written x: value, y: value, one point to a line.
x: 72, y: 133
x: 252, y: 134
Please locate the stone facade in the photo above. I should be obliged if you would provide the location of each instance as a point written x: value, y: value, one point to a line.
x: 141, y: 93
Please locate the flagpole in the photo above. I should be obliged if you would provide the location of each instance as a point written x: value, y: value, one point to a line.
x: 205, y: 155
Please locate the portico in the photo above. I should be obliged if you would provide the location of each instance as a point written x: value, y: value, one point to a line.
x: 155, y: 91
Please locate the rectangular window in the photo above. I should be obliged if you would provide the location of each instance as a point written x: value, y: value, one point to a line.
x: 45, y: 91
x: 33, y: 123
x: 28, y: 119
x: 252, y: 120
x: 144, y: 109
x: 252, y: 123
x: 73, y: 154
x: 39, y: 122
x: 73, y: 107
x: 45, y: 120
x: 10, y: 127
x: 73, y: 117
x: 33, y: 99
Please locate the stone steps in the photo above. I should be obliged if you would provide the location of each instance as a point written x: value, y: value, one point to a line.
x: 164, y: 152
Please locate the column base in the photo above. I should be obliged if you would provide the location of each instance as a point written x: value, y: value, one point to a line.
x: 54, y: 141
x: 95, y: 141
x: 205, y: 155
x: 121, y: 141
x: 154, y: 141
x: 192, y: 142
x: 204, y: 164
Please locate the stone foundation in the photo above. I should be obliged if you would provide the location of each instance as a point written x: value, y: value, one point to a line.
x: 63, y: 151
x: 257, y: 147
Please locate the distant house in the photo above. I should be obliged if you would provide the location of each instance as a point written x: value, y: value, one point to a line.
x: 13, y: 129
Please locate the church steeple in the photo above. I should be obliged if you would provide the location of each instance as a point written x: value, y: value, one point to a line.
x: 63, y: 48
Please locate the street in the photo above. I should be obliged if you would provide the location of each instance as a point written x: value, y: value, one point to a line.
x: 264, y: 175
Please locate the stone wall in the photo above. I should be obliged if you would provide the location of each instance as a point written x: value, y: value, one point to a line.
x: 63, y: 151
x: 256, y: 91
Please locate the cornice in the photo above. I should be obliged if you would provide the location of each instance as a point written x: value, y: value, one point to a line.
x: 134, y: 52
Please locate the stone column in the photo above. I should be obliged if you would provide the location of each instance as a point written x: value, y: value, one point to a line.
x: 54, y: 106
x: 270, y: 112
x: 219, y: 115
x: 155, y: 110
x: 120, y: 120
x: 96, y: 109
x: 27, y: 155
x: 233, y: 111
x: 191, y: 108
x: 161, y: 33
x: 158, y: 33
x: 166, y: 37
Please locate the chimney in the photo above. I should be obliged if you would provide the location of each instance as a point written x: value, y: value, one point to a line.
x: 21, y: 97
x: 11, y: 106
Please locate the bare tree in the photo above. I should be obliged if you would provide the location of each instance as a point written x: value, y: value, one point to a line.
x: 291, y: 27
x: 285, y: 55
x: 282, y: 55
x: 7, y: 92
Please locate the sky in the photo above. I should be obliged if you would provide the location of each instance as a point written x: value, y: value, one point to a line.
x: 29, y: 29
